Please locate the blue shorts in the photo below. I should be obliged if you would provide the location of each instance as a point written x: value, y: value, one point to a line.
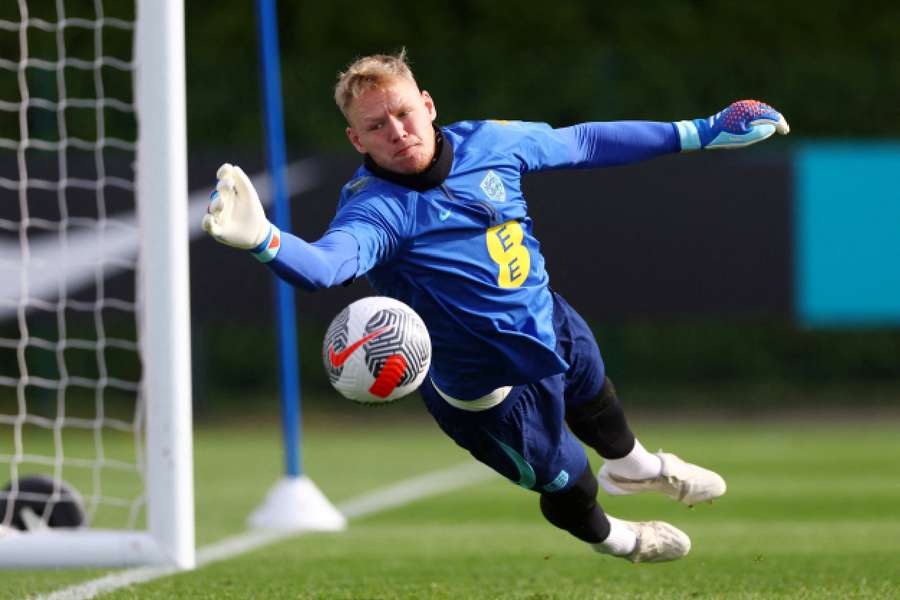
x: 525, y: 438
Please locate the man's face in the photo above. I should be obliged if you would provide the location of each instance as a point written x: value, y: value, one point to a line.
x: 392, y: 124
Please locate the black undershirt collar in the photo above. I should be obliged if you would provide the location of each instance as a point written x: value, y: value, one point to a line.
x: 432, y: 176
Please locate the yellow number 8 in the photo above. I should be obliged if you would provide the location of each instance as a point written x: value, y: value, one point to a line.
x: 504, y: 244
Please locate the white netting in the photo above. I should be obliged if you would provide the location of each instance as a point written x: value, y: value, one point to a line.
x: 70, y: 369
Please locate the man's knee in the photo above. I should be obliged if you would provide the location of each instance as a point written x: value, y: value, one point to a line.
x: 576, y: 510
x: 600, y: 423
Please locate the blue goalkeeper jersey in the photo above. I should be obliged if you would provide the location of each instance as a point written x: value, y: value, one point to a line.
x: 460, y: 248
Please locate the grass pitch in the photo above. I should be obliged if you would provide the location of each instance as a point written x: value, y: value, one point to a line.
x: 811, y: 512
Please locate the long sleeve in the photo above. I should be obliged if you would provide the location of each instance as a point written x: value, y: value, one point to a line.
x: 329, y: 261
x: 587, y: 145
x: 621, y: 142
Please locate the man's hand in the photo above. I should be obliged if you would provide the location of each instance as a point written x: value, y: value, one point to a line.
x: 743, y: 123
x: 235, y: 216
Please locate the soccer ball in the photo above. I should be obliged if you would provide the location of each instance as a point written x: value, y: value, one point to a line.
x: 376, y: 350
x: 39, y: 498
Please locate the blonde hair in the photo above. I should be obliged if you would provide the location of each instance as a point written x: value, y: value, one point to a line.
x: 370, y: 72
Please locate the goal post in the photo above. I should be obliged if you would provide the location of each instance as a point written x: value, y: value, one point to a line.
x: 164, y: 268
x: 149, y: 244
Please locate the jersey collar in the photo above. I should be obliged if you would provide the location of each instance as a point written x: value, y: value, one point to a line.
x: 431, y: 177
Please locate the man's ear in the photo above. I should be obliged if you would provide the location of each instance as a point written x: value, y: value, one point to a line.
x: 429, y: 105
x: 354, y: 139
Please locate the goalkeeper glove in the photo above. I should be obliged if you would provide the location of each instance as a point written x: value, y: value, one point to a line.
x: 743, y: 123
x: 235, y: 216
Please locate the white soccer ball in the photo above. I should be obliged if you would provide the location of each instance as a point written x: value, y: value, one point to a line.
x: 376, y: 350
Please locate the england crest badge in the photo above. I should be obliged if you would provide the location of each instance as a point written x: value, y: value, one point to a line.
x: 493, y: 188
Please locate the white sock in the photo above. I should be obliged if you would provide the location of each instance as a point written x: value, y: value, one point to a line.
x: 621, y: 539
x: 637, y: 464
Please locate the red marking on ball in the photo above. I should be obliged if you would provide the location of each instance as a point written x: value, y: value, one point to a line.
x: 391, y: 374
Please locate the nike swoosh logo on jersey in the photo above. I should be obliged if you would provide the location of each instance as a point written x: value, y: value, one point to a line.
x: 338, y: 359
x: 444, y: 214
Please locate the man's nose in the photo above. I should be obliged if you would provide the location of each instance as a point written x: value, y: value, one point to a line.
x: 395, y: 126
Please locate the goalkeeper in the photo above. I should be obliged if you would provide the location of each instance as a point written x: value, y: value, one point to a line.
x: 435, y: 217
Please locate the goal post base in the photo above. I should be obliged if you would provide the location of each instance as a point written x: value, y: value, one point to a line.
x: 296, y: 503
x: 69, y: 548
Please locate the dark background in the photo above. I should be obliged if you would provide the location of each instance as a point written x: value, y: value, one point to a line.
x: 683, y: 266
x: 832, y: 67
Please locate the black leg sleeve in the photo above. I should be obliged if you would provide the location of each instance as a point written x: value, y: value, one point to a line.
x: 600, y: 423
x: 576, y: 510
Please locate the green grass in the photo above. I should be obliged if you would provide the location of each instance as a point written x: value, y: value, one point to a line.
x: 811, y: 512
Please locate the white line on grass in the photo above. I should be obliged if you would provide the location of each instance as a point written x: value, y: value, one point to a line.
x: 397, y: 494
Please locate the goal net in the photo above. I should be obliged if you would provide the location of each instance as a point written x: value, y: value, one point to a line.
x: 95, y: 423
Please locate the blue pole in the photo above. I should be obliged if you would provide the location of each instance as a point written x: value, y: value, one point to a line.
x: 276, y: 159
